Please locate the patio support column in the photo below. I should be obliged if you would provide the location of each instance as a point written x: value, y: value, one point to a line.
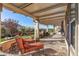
x: 0, y: 19
x: 54, y: 28
x: 47, y: 29
x: 36, y: 31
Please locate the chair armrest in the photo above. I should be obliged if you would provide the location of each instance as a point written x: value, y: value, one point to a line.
x: 28, y: 40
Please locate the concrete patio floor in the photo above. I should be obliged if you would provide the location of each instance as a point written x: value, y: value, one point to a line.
x: 53, y: 46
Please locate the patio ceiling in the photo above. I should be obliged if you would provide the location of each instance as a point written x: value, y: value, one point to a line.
x: 46, y: 13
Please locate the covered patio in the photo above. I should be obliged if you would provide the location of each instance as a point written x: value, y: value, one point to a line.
x: 49, y: 14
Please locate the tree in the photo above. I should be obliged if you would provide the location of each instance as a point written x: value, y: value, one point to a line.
x: 3, y: 32
x: 23, y: 30
x: 12, y: 26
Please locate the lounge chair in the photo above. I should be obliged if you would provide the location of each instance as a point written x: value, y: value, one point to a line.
x: 25, y: 46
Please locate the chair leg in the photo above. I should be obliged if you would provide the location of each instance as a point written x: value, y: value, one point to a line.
x: 43, y: 51
x: 19, y: 53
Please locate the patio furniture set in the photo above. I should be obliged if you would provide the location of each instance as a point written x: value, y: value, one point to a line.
x: 23, y: 46
x: 28, y: 45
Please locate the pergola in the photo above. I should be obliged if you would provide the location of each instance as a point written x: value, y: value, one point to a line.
x: 45, y: 13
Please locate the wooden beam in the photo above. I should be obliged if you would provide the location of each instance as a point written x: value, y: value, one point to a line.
x: 58, y: 19
x: 53, y: 17
x: 22, y: 6
x: 25, y: 5
x: 50, y: 7
x: 18, y: 10
x: 59, y: 12
x: 52, y: 22
x: 17, y: 5
x: 1, y: 7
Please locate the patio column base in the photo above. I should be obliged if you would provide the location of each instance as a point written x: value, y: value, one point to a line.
x: 37, y: 40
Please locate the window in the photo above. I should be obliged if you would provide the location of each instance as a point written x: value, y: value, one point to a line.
x: 73, y: 34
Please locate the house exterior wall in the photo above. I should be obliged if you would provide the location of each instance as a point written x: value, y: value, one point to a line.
x: 70, y: 49
x: 74, y: 51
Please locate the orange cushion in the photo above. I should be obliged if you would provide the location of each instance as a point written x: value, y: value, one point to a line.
x: 26, y: 46
x: 36, y: 44
x: 28, y: 40
x: 20, y: 43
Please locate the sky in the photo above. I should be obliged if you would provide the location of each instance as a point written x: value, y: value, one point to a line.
x: 22, y: 19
